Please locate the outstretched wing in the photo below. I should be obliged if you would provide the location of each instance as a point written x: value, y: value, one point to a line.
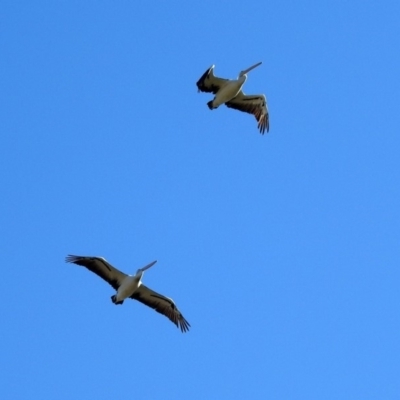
x: 100, y: 267
x: 210, y: 83
x: 161, y: 304
x: 252, y: 104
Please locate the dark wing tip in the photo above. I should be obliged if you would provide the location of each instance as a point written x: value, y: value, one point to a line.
x: 263, y: 123
x: 72, y: 259
x: 183, y: 324
x: 200, y: 83
x: 177, y: 318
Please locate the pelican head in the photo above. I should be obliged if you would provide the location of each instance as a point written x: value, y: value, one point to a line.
x: 249, y: 69
x: 140, y: 271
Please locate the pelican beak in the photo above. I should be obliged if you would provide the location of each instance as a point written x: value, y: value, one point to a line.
x: 249, y: 69
x: 148, y: 265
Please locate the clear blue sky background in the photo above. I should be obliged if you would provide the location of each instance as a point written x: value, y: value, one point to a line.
x: 282, y: 250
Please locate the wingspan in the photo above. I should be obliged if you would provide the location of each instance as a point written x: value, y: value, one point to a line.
x: 252, y: 104
x: 100, y: 267
x: 161, y: 304
x: 210, y: 83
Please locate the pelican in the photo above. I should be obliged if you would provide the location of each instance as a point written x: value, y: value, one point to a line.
x: 130, y: 286
x: 230, y: 92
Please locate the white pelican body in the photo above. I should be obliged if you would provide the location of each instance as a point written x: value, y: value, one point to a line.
x: 130, y: 286
x: 229, y: 92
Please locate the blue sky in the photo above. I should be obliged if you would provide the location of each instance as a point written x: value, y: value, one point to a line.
x: 282, y: 250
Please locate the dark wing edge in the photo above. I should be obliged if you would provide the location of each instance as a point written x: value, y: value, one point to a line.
x: 252, y: 104
x: 100, y: 267
x: 162, y: 305
x: 209, y: 82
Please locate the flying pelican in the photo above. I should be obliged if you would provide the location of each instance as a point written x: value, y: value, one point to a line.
x: 230, y: 92
x: 130, y: 286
